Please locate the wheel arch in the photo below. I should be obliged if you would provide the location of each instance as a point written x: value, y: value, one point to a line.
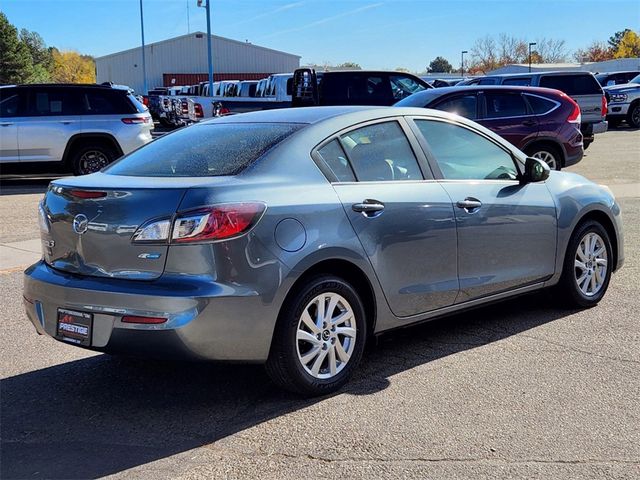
x: 351, y: 273
x: 548, y: 141
x: 80, y: 139
x: 603, y: 219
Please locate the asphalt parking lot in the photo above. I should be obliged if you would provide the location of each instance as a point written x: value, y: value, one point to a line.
x: 521, y: 389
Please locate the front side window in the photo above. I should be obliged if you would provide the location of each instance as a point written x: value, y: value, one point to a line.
x: 501, y: 105
x: 204, y: 150
x: 402, y: 86
x: 463, y: 154
x: 381, y: 152
x: 9, y: 102
x: 463, y: 105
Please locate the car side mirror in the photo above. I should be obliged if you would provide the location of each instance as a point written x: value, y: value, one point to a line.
x: 535, y: 170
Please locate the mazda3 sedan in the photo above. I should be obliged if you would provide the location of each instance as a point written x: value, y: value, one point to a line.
x: 289, y: 237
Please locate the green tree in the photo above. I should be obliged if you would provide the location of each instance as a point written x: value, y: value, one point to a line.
x: 439, y: 65
x: 616, y: 38
x: 71, y: 67
x: 40, y: 54
x: 16, y: 64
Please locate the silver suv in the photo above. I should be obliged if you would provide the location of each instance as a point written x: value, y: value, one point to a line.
x: 85, y: 126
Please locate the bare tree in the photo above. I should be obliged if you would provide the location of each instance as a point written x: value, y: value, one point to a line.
x: 551, y: 50
x: 484, y: 55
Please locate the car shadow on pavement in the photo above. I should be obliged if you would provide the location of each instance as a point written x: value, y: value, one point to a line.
x: 102, y: 415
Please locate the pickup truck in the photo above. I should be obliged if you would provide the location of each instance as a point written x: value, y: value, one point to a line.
x: 624, y: 103
x: 353, y: 87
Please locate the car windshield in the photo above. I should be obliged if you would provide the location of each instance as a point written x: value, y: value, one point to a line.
x: 204, y: 150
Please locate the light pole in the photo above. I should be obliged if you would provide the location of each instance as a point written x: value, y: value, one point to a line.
x: 209, y: 45
x: 462, y: 62
x: 144, y: 63
x: 530, y: 45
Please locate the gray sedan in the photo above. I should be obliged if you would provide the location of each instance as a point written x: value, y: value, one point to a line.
x: 290, y: 237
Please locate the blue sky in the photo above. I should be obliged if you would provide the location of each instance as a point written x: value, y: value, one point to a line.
x: 373, y: 33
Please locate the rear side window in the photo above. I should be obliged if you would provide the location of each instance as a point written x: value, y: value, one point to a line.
x: 52, y: 102
x: 540, y: 105
x: 9, y: 102
x: 334, y: 156
x: 355, y: 89
x: 501, y: 105
x: 381, y: 152
x: 464, y: 105
x: 521, y: 81
x: 106, y: 102
x: 572, y: 84
x: 204, y: 150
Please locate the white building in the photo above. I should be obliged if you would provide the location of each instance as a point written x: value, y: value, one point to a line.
x: 183, y: 61
x: 619, y: 64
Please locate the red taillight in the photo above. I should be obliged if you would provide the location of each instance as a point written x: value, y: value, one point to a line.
x: 574, y: 116
x: 217, y: 222
x: 198, y: 109
x: 145, y: 101
x: 136, y: 120
x: 87, y: 193
x: 224, y: 111
x: 604, y: 106
x: 146, y: 320
x: 185, y: 107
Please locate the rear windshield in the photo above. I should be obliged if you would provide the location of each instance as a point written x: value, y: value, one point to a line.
x: 572, y: 84
x: 204, y: 150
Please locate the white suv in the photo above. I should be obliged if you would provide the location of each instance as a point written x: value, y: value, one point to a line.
x: 85, y: 126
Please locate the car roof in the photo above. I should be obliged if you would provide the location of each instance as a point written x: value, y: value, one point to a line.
x: 65, y: 85
x: 531, y: 74
x: 439, y: 92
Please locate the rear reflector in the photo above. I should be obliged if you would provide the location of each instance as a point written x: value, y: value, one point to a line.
x: 604, y: 106
x: 146, y: 320
x: 198, y: 109
x: 87, y: 193
x: 136, y: 120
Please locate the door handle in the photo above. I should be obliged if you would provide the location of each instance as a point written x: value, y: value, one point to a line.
x: 368, y: 207
x: 66, y: 123
x: 528, y: 123
x: 469, y: 204
x: 5, y: 124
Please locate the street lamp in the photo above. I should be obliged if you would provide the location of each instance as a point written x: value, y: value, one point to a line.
x: 462, y: 62
x: 208, y: 44
x: 530, y: 45
x: 144, y: 64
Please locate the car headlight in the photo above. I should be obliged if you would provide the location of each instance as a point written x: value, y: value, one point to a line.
x: 618, y: 97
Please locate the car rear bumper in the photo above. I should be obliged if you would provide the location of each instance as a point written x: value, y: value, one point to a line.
x: 573, y: 157
x: 205, y: 321
x: 589, y: 129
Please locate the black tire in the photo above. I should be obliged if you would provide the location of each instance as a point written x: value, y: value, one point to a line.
x: 546, y: 148
x: 614, y: 122
x: 567, y: 290
x: 284, y: 366
x: 90, y: 158
x: 633, y: 115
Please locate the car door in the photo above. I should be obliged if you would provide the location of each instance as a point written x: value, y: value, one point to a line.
x: 51, y: 120
x: 9, y: 113
x: 506, y: 230
x: 507, y: 114
x: 464, y: 104
x: 404, y: 222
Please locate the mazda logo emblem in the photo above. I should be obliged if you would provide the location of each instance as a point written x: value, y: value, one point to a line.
x: 80, y: 224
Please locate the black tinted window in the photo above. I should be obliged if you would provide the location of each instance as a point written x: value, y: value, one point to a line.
x: 486, y: 81
x: 9, y: 102
x: 522, y: 81
x: 381, y: 152
x: 355, y: 89
x: 465, y: 106
x: 403, y: 85
x: 52, y: 102
x: 106, y: 102
x: 500, y: 105
x: 540, y: 105
x: 572, y: 84
x: 335, y: 158
x: 203, y: 150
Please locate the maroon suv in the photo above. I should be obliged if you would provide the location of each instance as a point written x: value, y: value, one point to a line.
x: 542, y: 122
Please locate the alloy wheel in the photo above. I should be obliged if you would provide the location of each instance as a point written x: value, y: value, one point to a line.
x: 548, y: 158
x: 590, y: 264
x: 92, y: 161
x: 326, y: 335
